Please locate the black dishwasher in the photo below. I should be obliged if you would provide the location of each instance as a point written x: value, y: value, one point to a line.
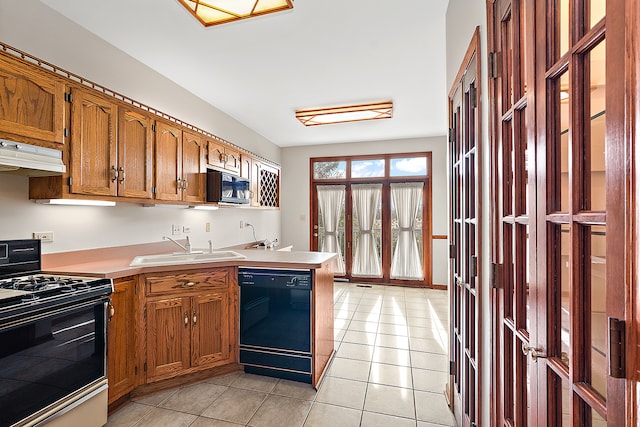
x: 275, y: 322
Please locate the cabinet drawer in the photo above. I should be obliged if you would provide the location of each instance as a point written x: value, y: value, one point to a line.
x: 187, y: 281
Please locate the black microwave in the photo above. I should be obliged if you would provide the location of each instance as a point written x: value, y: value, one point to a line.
x: 225, y: 187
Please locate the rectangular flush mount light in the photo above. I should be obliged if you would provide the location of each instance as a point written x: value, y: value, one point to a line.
x: 214, y: 12
x: 345, y: 113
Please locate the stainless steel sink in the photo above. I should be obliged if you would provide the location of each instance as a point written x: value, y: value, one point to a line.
x: 184, y: 258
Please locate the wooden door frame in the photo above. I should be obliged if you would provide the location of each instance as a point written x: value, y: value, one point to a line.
x: 473, y: 53
x: 386, y: 252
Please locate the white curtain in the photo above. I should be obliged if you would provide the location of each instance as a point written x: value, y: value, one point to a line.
x: 331, y: 204
x: 366, y: 202
x: 406, y: 263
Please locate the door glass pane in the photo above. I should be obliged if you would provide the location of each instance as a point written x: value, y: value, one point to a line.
x: 563, y: 30
x: 598, y: 240
x: 563, y: 106
x: 330, y: 170
x: 331, y: 223
x: 565, y: 302
x: 597, y: 420
x: 367, y: 168
x: 527, y: 280
x: 409, y: 166
x: 598, y: 122
x: 406, y: 227
x: 566, y: 404
x: 507, y: 49
x: 367, y: 229
x: 597, y: 11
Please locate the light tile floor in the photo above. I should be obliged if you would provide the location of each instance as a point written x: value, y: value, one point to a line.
x: 389, y: 370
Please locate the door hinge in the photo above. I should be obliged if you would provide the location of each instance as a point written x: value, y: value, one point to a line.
x: 452, y: 367
x: 65, y: 132
x: 616, y: 348
x: 492, y: 65
x: 452, y: 251
x: 493, y: 275
x: 473, y: 266
x: 68, y: 97
x: 70, y: 181
x: 473, y: 96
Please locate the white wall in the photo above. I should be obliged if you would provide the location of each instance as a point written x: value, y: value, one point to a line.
x: 463, y: 16
x: 296, y: 191
x: 30, y: 26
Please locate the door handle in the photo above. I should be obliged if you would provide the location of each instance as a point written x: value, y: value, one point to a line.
x: 315, y: 234
x: 536, y: 353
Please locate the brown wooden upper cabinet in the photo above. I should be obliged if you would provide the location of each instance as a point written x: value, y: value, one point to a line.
x: 134, y: 171
x: 223, y: 156
x: 31, y: 104
x: 265, y: 181
x: 93, y: 151
x: 168, y: 161
x: 193, y: 167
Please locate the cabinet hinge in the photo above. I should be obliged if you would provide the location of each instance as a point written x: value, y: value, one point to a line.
x: 70, y: 181
x: 452, y: 367
x: 135, y: 289
x: 145, y: 313
x: 153, y: 190
x: 492, y: 65
x: 452, y: 251
x: 473, y: 96
x: 153, y: 127
x: 493, y: 275
x: 616, y: 348
x: 65, y: 132
x: 68, y: 97
x: 229, y: 348
x: 135, y: 370
x: 473, y: 266
x: 145, y: 366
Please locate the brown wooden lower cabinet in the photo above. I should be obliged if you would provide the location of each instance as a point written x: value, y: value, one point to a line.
x: 190, y: 326
x: 122, y: 359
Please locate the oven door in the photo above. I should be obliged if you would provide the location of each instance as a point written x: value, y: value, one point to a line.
x: 51, y: 361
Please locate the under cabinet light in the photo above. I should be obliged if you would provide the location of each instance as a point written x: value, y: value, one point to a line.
x: 74, y: 202
x: 345, y: 113
x: 214, y: 12
x: 204, y: 208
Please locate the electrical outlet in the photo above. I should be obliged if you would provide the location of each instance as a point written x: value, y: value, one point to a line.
x: 45, y: 236
x: 175, y: 229
x: 186, y: 229
x: 207, y: 227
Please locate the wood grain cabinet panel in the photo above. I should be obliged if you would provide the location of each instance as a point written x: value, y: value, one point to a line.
x: 92, y: 144
x: 135, y: 153
x: 31, y: 104
x: 190, y: 322
x: 168, y: 161
x: 223, y: 156
x: 122, y: 339
x: 193, y: 167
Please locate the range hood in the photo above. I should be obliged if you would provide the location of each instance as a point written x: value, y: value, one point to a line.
x: 30, y: 160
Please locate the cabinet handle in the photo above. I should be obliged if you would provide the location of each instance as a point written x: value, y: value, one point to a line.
x: 190, y: 283
x: 121, y: 173
x: 179, y: 183
x: 114, y: 174
x: 195, y: 317
x: 185, y: 184
x: 186, y: 319
x: 112, y: 311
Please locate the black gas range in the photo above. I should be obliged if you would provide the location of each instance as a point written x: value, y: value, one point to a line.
x: 53, y: 342
x: 25, y: 290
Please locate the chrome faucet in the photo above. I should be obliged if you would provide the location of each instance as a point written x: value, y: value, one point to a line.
x: 186, y: 247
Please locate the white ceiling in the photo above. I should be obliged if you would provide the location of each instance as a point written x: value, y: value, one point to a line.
x: 320, y: 53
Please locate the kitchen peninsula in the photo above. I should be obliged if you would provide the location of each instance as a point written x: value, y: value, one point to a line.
x: 174, y: 324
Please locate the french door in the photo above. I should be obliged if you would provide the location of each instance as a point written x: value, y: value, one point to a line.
x: 375, y: 213
x: 558, y: 181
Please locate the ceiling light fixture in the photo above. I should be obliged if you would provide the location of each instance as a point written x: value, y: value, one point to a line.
x: 214, y: 12
x: 345, y: 113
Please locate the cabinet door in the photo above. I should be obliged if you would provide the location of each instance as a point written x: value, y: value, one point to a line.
x: 168, y: 341
x: 31, y: 104
x: 245, y: 166
x: 256, y: 167
x: 211, y: 326
x: 135, y: 154
x: 268, y: 183
x: 232, y: 160
x: 168, y: 161
x: 92, y: 146
x: 215, y: 155
x: 121, y: 358
x: 193, y: 149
